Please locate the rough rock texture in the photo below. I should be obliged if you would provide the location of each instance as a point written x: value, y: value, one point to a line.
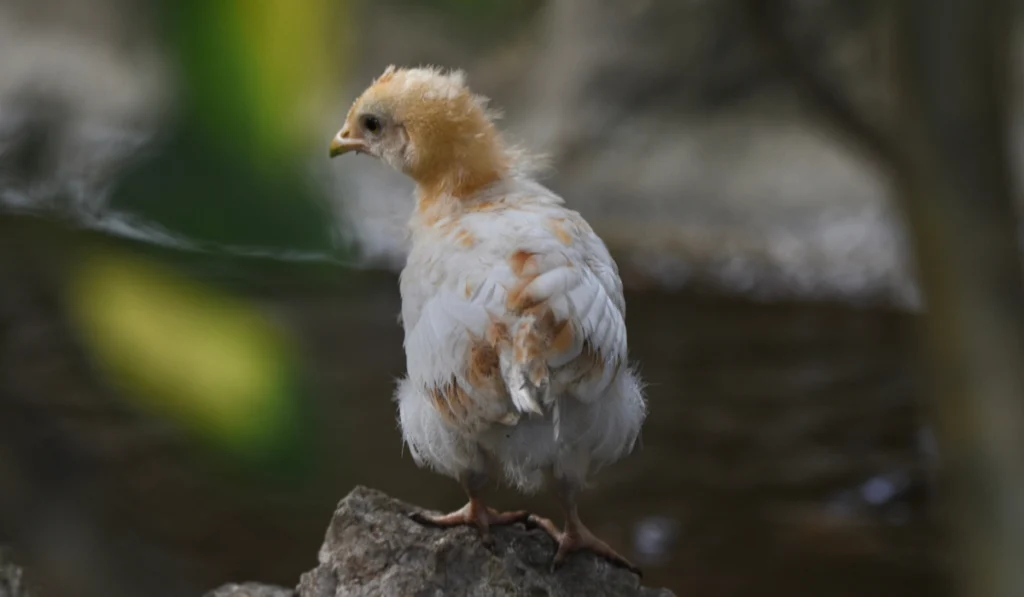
x: 373, y: 548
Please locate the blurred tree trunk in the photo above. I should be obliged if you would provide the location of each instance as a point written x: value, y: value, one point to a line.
x: 951, y: 61
x: 950, y: 164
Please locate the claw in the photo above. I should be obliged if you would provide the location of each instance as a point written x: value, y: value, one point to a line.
x: 577, y: 538
x: 476, y: 514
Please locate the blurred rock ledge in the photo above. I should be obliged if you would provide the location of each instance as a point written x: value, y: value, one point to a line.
x: 373, y: 548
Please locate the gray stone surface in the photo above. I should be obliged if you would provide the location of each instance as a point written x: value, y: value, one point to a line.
x: 373, y: 548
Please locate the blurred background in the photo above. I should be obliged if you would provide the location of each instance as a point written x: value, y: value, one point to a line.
x: 198, y: 310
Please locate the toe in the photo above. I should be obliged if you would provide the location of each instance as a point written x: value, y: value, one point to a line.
x: 622, y: 562
x: 495, y: 517
x: 473, y: 514
x: 586, y: 541
x: 602, y: 549
x: 560, y: 556
x: 456, y: 518
x: 547, y: 525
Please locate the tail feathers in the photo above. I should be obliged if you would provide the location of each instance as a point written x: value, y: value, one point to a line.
x: 531, y: 391
x: 524, y: 368
x: 556, y: 420
x: 528, y: 392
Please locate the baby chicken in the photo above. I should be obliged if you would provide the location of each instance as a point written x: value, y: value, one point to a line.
x: 512, y: 307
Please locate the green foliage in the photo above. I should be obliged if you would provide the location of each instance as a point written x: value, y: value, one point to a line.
x: 208, y: 196
x: 254, y: 71
x: 230, y: 171
x: 254, y: 78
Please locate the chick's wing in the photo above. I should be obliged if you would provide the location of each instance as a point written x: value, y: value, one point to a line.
x: 508, y: 312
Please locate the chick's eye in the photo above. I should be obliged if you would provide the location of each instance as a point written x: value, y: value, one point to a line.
x: 371, y: 123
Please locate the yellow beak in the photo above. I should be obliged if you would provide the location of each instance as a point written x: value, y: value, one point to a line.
x: 344, y: 142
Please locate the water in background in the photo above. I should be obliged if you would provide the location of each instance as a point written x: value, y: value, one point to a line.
x: 784, y: 454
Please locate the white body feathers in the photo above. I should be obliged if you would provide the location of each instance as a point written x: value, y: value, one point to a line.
x: 515, y: 341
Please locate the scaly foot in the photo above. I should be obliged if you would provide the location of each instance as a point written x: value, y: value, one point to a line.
x: 576, y: 538
x: 476, y: 514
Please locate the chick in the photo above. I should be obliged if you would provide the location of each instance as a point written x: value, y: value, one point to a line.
x: 512, y: 307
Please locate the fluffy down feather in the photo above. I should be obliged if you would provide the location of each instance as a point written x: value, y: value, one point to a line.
x: 513, y: 311
x: 515, y: 341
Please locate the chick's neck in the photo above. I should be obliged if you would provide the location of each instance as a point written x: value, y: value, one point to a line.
x: 452, y: 178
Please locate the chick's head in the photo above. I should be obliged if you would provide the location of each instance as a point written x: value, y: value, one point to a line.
x: 428, y: 124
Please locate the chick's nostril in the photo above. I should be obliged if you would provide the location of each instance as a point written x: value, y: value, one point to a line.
x: 344, y: 134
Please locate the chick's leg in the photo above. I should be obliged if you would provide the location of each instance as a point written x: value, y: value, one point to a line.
x: 576, y: 536
x: 475, y: 512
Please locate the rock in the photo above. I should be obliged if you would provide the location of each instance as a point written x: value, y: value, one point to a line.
x: 250, y: 590
x: 373, y: 548
x: 12, y: 579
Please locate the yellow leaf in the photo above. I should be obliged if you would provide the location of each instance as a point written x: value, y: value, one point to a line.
x: 209, y: 362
